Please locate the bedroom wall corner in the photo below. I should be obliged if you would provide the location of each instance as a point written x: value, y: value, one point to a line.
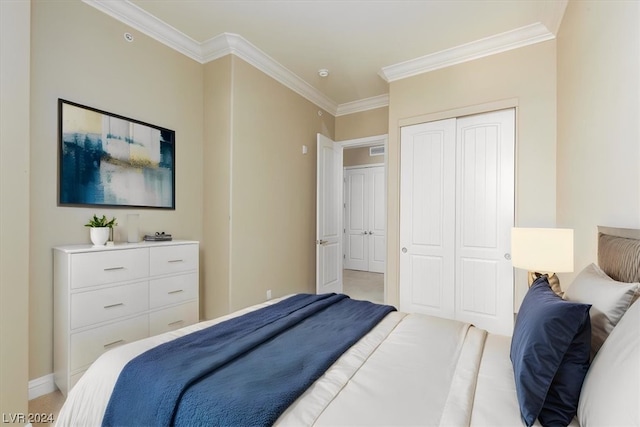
x: 598, y: 128
x: 273, y: 183
x: 218, y: 104
x: 79, y: 53
x: 15, y: 28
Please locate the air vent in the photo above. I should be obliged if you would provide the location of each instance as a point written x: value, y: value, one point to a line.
x: 376, y: 151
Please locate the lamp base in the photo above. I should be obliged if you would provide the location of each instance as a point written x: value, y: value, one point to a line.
x: 554, y: 282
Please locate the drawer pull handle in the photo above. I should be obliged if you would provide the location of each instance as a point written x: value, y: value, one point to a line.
x: 114, y: 305
x: 113, y: 268
x: 113, y: 343
x: 176, y: 292
x: 177, y: 322
x: 176, y: 260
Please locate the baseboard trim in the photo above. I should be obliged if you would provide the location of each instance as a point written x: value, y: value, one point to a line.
x: 41, y: 386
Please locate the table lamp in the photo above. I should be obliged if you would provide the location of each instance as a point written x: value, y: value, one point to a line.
x: 543, y: 251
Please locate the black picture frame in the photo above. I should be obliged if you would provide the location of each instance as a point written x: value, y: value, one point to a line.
x: 108, y: 160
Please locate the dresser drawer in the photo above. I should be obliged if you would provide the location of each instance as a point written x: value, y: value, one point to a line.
x: 88, y: 308
x: 88, y: 345
x: 105, y: 297
x: 173, y: 259
x: 173, y: 318
x: 173, y: 290
x: 98, y: 268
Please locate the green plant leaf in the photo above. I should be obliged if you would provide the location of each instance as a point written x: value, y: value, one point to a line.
x: 101, y: 222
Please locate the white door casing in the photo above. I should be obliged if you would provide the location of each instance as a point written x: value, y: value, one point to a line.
x: 456, y: 213
x: 328, y: 216
x: 365, y: 243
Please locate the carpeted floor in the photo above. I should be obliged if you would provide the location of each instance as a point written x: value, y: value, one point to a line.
x: 363, y: 285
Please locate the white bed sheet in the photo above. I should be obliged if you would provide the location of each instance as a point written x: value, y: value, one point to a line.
x: 418, y: 375
x: 495, y: 402
x: 410, y: 369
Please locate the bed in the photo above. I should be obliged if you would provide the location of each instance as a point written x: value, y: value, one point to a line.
x: 412, y: 369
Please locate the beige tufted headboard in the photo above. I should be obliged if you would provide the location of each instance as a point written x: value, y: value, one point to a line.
x: 619, y: 253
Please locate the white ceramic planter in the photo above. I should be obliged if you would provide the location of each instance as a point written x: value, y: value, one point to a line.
x: 99, y: 235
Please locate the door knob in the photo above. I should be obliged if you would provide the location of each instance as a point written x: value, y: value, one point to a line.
x: 322, y: 242
x: 507, y: 256
x: 404, y: 250
x: 371, y: 232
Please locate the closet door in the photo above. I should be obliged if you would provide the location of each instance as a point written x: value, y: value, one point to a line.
x: 365, y: 219
x: 485, y: 210
x: 356, y: 222
x: 456, y: 213
x: 427, y: 218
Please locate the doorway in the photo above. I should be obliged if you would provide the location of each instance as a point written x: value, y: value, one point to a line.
x: 364, y: 285
x: 364, y: 209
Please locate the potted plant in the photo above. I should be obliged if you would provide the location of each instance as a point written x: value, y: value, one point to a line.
x: 100, y: 229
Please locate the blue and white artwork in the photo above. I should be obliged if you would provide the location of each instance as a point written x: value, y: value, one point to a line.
x: 113, y: 161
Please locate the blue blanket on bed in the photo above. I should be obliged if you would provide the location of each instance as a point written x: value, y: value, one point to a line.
x: 242, y: 372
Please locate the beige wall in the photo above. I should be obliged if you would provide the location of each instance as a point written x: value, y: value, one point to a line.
x: 524, y: 77
x: 80, y: 54
x: 362, y: 124
x: 259, y: 187
x: 273, y: 187
x: 359, y: 156
x: 218, y: 104
x: 598, y: 125
x: 14, y: 209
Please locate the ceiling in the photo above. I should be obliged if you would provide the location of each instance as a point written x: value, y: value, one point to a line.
x: 363, y: 44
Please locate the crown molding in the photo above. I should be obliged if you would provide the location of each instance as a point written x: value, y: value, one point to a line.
x: 131, y: 15
x: 217, y: 47
x: 243, y: 49
x: 363, y: 105
x: 555, y: 13
x: 520, y: 37
x: 234, y: 44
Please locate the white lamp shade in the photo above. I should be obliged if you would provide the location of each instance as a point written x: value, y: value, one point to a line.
x: 543, y: 250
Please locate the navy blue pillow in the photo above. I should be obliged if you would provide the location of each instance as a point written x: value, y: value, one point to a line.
x: 550, y: 355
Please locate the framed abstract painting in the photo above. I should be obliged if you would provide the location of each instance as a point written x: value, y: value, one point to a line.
x: 112, y: 161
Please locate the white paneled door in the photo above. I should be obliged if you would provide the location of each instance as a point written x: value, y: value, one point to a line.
x: 457, y: 210
x: 485, y: 184
x: 427, y: 218
x: 329, y: 216
x: 364, y: 229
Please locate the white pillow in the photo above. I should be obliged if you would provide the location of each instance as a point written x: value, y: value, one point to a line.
x: 609, y: 300
x: 611, y: 390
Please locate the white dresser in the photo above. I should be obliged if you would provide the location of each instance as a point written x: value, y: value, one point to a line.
x: 111, y: 295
